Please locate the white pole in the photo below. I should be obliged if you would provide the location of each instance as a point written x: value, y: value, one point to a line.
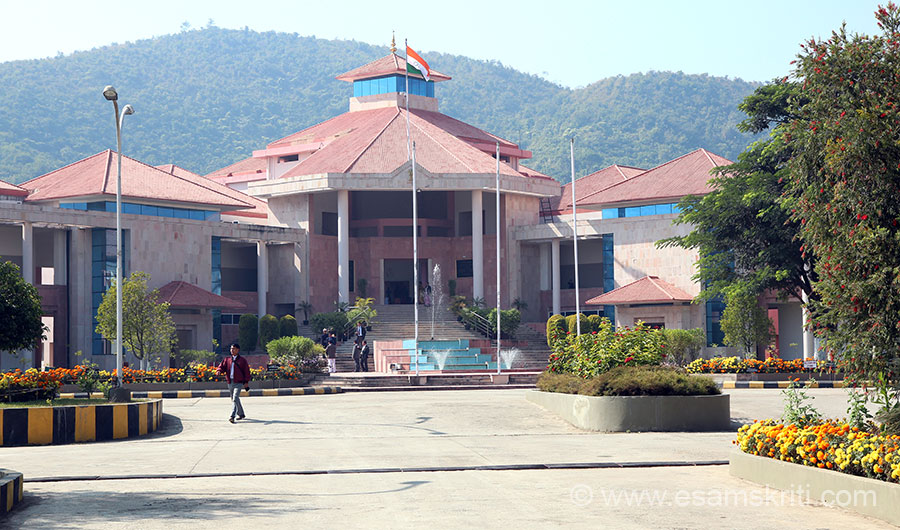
x: 575, y: 239
x: 497, y: 228
x: 415, y: 216
x: 406, y: 96
x: 120, y: 376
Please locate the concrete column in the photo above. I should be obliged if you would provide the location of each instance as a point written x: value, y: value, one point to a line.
x: 343, y: 207
x: 477, y: 246
x: 554, y: 272
x: 262, y: 277
x: 60, y: 259
x: 545, y: 267
x: 28, y: 252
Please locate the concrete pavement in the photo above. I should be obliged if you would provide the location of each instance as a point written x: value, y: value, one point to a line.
x: 352, y: 438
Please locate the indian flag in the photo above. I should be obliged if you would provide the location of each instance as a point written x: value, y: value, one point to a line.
x: 416, y: 64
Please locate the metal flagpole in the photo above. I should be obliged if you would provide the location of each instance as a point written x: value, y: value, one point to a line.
x: 497, y: 228
x: 575, y: 239
x: 415, y: 258
x: 408, y: 155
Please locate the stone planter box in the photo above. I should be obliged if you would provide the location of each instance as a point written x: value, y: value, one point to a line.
x: 638, y: 413
x: 205, y: 385
x: 78, y: 423
x: 874, y: 498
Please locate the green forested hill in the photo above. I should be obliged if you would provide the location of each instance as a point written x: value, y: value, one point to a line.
x: 206, y: 98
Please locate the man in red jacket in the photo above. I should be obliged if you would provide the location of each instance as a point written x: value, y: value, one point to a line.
x: 237, y: 373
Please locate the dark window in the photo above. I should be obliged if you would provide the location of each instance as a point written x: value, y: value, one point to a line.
x: 288, y: 158
x: 463, y: 268
x: 465, y: 224
x: 364, y: 231
x: 401, y: 231
x: 438, y: 231
x: 329, y: 224
x: 352, y: 280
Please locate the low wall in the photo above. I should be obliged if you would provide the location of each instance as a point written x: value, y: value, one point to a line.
x: 78, y: 423
x: 304, y: 380
x: 638, y: 413
x: 11, y: 490
x: 871, y: 497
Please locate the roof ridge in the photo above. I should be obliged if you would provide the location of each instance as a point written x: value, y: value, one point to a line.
x: 652, y: 279
x: 106, y: 171
x: 206, y: 187
x: 372, y: 141
x: 64, y: 167
x: 705, y: 152
x: 451, y: 153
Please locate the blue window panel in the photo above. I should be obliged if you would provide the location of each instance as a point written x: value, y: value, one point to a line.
x: 96, y: 298
x: 648, y: 210
x: 96, y: 206
x: 676, y: 209
x: 383, y: 85
x: 67, y: 206
x: 97, y: 346
x: 610, y: 213
x: 663, y: 209
x: 98, y: 252
x: 131, y: 208
x: 198, y: 215
x: 399, y: 84
x: 149, y: 210
x: 182, y: 214
x: 633, y: 211
x: 165, y: 212
x: 212, y: 216
x: 430, y: 89
x: 356, y: 89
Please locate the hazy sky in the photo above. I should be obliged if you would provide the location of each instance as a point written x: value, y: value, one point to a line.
x: 572, y: 43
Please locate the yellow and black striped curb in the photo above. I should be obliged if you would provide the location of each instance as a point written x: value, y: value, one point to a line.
x: 731, y: 385
x: 11, y: 489
x: 78, y: 423
x: 175, y: 394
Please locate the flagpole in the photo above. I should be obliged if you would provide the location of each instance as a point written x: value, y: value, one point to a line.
x: 408, y: 155
x: 415, y: 213
x: 575, y: 238
x: 497, y: 228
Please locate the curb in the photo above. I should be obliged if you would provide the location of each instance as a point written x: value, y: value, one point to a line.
x: 11, y: 490
x: 78, y: 423
x: 176, y: 394
x: 732, y: 385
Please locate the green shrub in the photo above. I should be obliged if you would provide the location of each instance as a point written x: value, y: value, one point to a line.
x: 191, y: 357
x: 648, y: 381
x: 248, y: 332
x: 593, y: 353
x: 336, y: 321
x: 594, y: 321
x: 268, y: 330
x: 556, y: 328
x: 509, y: 321
x: 287, y: 326
x: 572, y: 323
x: 683, y: 345
x: 562, y: 383
x: 293, y: 350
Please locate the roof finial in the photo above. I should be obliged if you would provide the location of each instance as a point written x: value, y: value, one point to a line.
x: 393, y: 43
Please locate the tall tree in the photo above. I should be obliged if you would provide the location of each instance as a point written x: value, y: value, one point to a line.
x: 742, y: 229
x: 845, y: 184
x: 744, y: 322
x: 20, y: 311
x: 147, y: 327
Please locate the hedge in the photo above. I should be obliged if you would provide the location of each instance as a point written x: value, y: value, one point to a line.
x: 248, y: 332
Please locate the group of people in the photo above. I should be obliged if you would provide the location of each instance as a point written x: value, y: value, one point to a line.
x: 328, y: 340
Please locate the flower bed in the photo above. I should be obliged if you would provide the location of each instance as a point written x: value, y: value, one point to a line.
x: 737, y: 365
x: 590, y: 354
x: 829, y: 445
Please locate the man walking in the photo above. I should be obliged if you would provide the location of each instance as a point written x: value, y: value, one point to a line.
x: 357, y: 348
x: 364, y: 357
x: 237, y: 374
x: 331, y: 353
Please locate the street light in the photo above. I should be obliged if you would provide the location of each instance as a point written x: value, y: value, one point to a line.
x: 111, y: 95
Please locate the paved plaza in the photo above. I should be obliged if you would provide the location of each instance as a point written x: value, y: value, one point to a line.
x: 445, y: 459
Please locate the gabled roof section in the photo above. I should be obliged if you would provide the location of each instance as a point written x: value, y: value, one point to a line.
x: 185, y: 295
x: 258, y: 207
x: 647, y: 290
x: 589, y: 185
x: 247, y: 165
x: 686, y: 175
x: 390, y: 64
x: 96, y: 176
x: 7, y: 188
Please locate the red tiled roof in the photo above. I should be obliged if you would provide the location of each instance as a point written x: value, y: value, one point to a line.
x: 686, y: 175
x: 593, y: 183
x: 647, y: 290
x: 259, y: 207
x: 183, y: 294
x: 387, y: 65
x: 247, y: 165
x: 7, y: 188
x: 374, y: 141
x: 96, y: 175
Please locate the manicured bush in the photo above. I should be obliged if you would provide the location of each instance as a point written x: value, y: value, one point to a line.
x: 648, y: 381
x: 572, y: 324
x: 509, y: 321
x: 336, y: 321
x: 248, y: 332
x: 556, y: 328
x: 268, y: 330
x: 287, y: 326
x: 684, y: 344
x: 561, y: 383
x: 296, y: 351
x: 593, y: 353
x: 594, y: 321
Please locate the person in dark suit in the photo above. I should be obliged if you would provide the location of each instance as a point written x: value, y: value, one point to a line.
x: 364, y: 356
x: 360, y: 332
x: 357, y: 348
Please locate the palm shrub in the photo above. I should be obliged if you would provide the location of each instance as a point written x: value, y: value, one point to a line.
x: 287, y: 326
x: 248, y: 332
x: 268, y: 330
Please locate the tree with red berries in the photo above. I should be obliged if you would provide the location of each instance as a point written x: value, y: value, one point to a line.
x: 845, y: 193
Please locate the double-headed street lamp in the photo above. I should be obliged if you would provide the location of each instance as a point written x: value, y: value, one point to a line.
x: 110, y: 94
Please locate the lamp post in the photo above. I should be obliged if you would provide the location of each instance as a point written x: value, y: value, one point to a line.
x: 111, y: 95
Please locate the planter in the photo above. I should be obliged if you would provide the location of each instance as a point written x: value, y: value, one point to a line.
x: 204, y: 385
x: 871, y: 497
x: 638, y: 413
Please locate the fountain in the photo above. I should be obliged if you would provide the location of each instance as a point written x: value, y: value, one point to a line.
x: 440, y: 356
x: 437, y: 295
x: 508, y: 357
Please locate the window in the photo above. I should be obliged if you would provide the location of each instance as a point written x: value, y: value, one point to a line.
x: 288, y: 158
x: 465, y: 223
x: 463, y: 268
x: 329, y: 224
x: 352, y: 276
